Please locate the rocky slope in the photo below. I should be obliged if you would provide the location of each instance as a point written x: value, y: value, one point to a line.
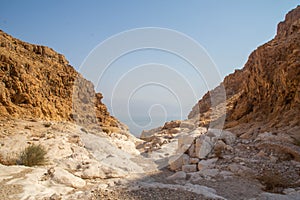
x: 37, y: 82
x: 267, y: 90
x: 262, y: 137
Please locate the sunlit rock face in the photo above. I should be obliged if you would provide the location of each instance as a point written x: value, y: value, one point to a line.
x: 264, y: 95
x: 37, y: 82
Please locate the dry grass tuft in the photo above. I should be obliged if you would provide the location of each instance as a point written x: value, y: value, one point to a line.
x: 33, y: 155
x: 274, y: 181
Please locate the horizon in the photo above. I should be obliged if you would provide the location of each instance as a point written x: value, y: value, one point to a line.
x: 228, y: 33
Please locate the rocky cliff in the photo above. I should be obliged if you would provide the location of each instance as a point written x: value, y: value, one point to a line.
x: 265, y: 94
x: 37, y: 82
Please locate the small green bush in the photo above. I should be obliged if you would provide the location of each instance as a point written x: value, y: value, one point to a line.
x: 33, y: 155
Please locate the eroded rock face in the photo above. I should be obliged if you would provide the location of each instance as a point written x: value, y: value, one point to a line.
x: 37, y: 82
x: 266, y: 91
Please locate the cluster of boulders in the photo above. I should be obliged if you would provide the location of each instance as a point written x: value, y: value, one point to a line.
x: 196, y: 147
x: 189, y: 148
x: 157, y: 137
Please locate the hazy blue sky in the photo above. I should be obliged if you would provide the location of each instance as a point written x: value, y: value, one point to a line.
x: 228, y: 30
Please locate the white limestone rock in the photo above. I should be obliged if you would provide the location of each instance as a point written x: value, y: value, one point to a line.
x: 203, y: 146
x: 63, y: 177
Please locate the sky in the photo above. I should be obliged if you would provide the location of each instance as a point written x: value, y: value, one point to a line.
x: 147, y: 83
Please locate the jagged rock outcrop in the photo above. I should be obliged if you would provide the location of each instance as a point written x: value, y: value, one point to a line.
x: 265, y: 94
x: 232, y: 85
x: 37, y: 82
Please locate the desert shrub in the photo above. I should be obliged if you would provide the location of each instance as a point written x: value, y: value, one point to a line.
x: 33, y: 155
x: 274, y: 182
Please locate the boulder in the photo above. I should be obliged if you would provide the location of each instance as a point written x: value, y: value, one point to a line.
x: 219, y: 147
x: 62, y: 176
x: 187, y: 124
x: 176, y: 162
x: 185, y: 141
x: 194, y: 160
x: 205, y: 164
x: 214, y: 132
x: 191, y: 151
x: 181, y: 175
x: 199, y: 131
x: 209, y: 173
x: 93, y: 171
x: 189, y: 168
x: 228, y: 137
x: 174, y: 130
x: 185, y: 159
x: 203, y: 146
x: 206, y: 174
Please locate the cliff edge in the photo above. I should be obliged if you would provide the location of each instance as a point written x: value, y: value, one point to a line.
x: 37, y: 82
x: 265, y: 94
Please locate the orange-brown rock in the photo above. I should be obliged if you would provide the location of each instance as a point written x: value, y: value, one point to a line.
x: 37, y: 82
x: 267, y: 90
